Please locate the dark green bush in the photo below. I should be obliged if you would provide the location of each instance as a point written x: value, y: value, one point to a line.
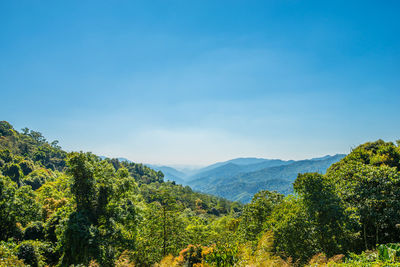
x: 5, y: 128
x: 37, y: 178
x: 13, y: 171
x: 37, y: 253
x: 5, y: 155
x: 34, y: 231
x: 28, y: 253
x: 27, y: 166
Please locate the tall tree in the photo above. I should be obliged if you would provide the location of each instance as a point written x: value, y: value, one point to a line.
x: 325, y: 211
x: 255, y: 214
x: 105, y: 217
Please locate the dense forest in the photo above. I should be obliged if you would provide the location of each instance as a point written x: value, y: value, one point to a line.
x: 76, y: 209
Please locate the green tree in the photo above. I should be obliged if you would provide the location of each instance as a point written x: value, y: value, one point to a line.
x: 8, y: 214
x: 26, y: 207
x: 105, y: 217
x: 17, y: 205
x: 5, y: 129
x: 162, y: 228
x: 293, y: 232
x: 255, y: 214
x: 326, y: 213
x: 368, y: 183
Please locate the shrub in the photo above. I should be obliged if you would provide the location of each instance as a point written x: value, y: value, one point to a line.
x: 13, y: 171
x: 27, y: 167
x: 36, y: 253
x: 37, y: 178
x: 125, y: 260
x: 8, y: 255
x: 191, y: 255
x: 29, y: 254
x: 222, y: 255
x: 5, y: 156
x: 5, y: 128
x: 34, y: 231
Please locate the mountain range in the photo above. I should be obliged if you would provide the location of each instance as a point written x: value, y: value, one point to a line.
x: 239, y: 179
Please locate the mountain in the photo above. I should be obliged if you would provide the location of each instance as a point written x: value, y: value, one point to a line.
x: 247, y: 161
x: 120, y: 159
x: 170, y: 173
x: 226, y: 170
x: 240, y: 182
x: 124, y: 159
x: 265, y: 164
x: 237, y: 161
x: 235, y: 166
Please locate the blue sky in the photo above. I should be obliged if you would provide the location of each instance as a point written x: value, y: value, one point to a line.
x: 195, y: 82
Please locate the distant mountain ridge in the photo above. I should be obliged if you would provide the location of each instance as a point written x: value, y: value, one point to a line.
x: 243, y: 185
x: 239, y: 179
x: 237, y: 161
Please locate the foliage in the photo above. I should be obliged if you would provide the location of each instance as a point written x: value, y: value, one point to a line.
x: 17, y: 205
x: 35, y: 253
x: 37, y: 178
x: 293, y: 233
x: 63, y: 209
x: 325, y: 212
x: 13, y: 171
x: 104, y: 218
x: 389, y: 252
x: 367, y: 182
x: 223, y: 254
x: 192, y: 255
x: 262, y: 254
x: 29, y: 254
x: 34, y: 231
x: 8, y: 215
x: 255, y: 214
x: 8, y: 255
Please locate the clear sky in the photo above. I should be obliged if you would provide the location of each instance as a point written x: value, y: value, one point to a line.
x: 195, y: 82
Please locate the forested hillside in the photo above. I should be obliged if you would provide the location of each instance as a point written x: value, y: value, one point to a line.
x: 69, y: 208
x: 76, y: 209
